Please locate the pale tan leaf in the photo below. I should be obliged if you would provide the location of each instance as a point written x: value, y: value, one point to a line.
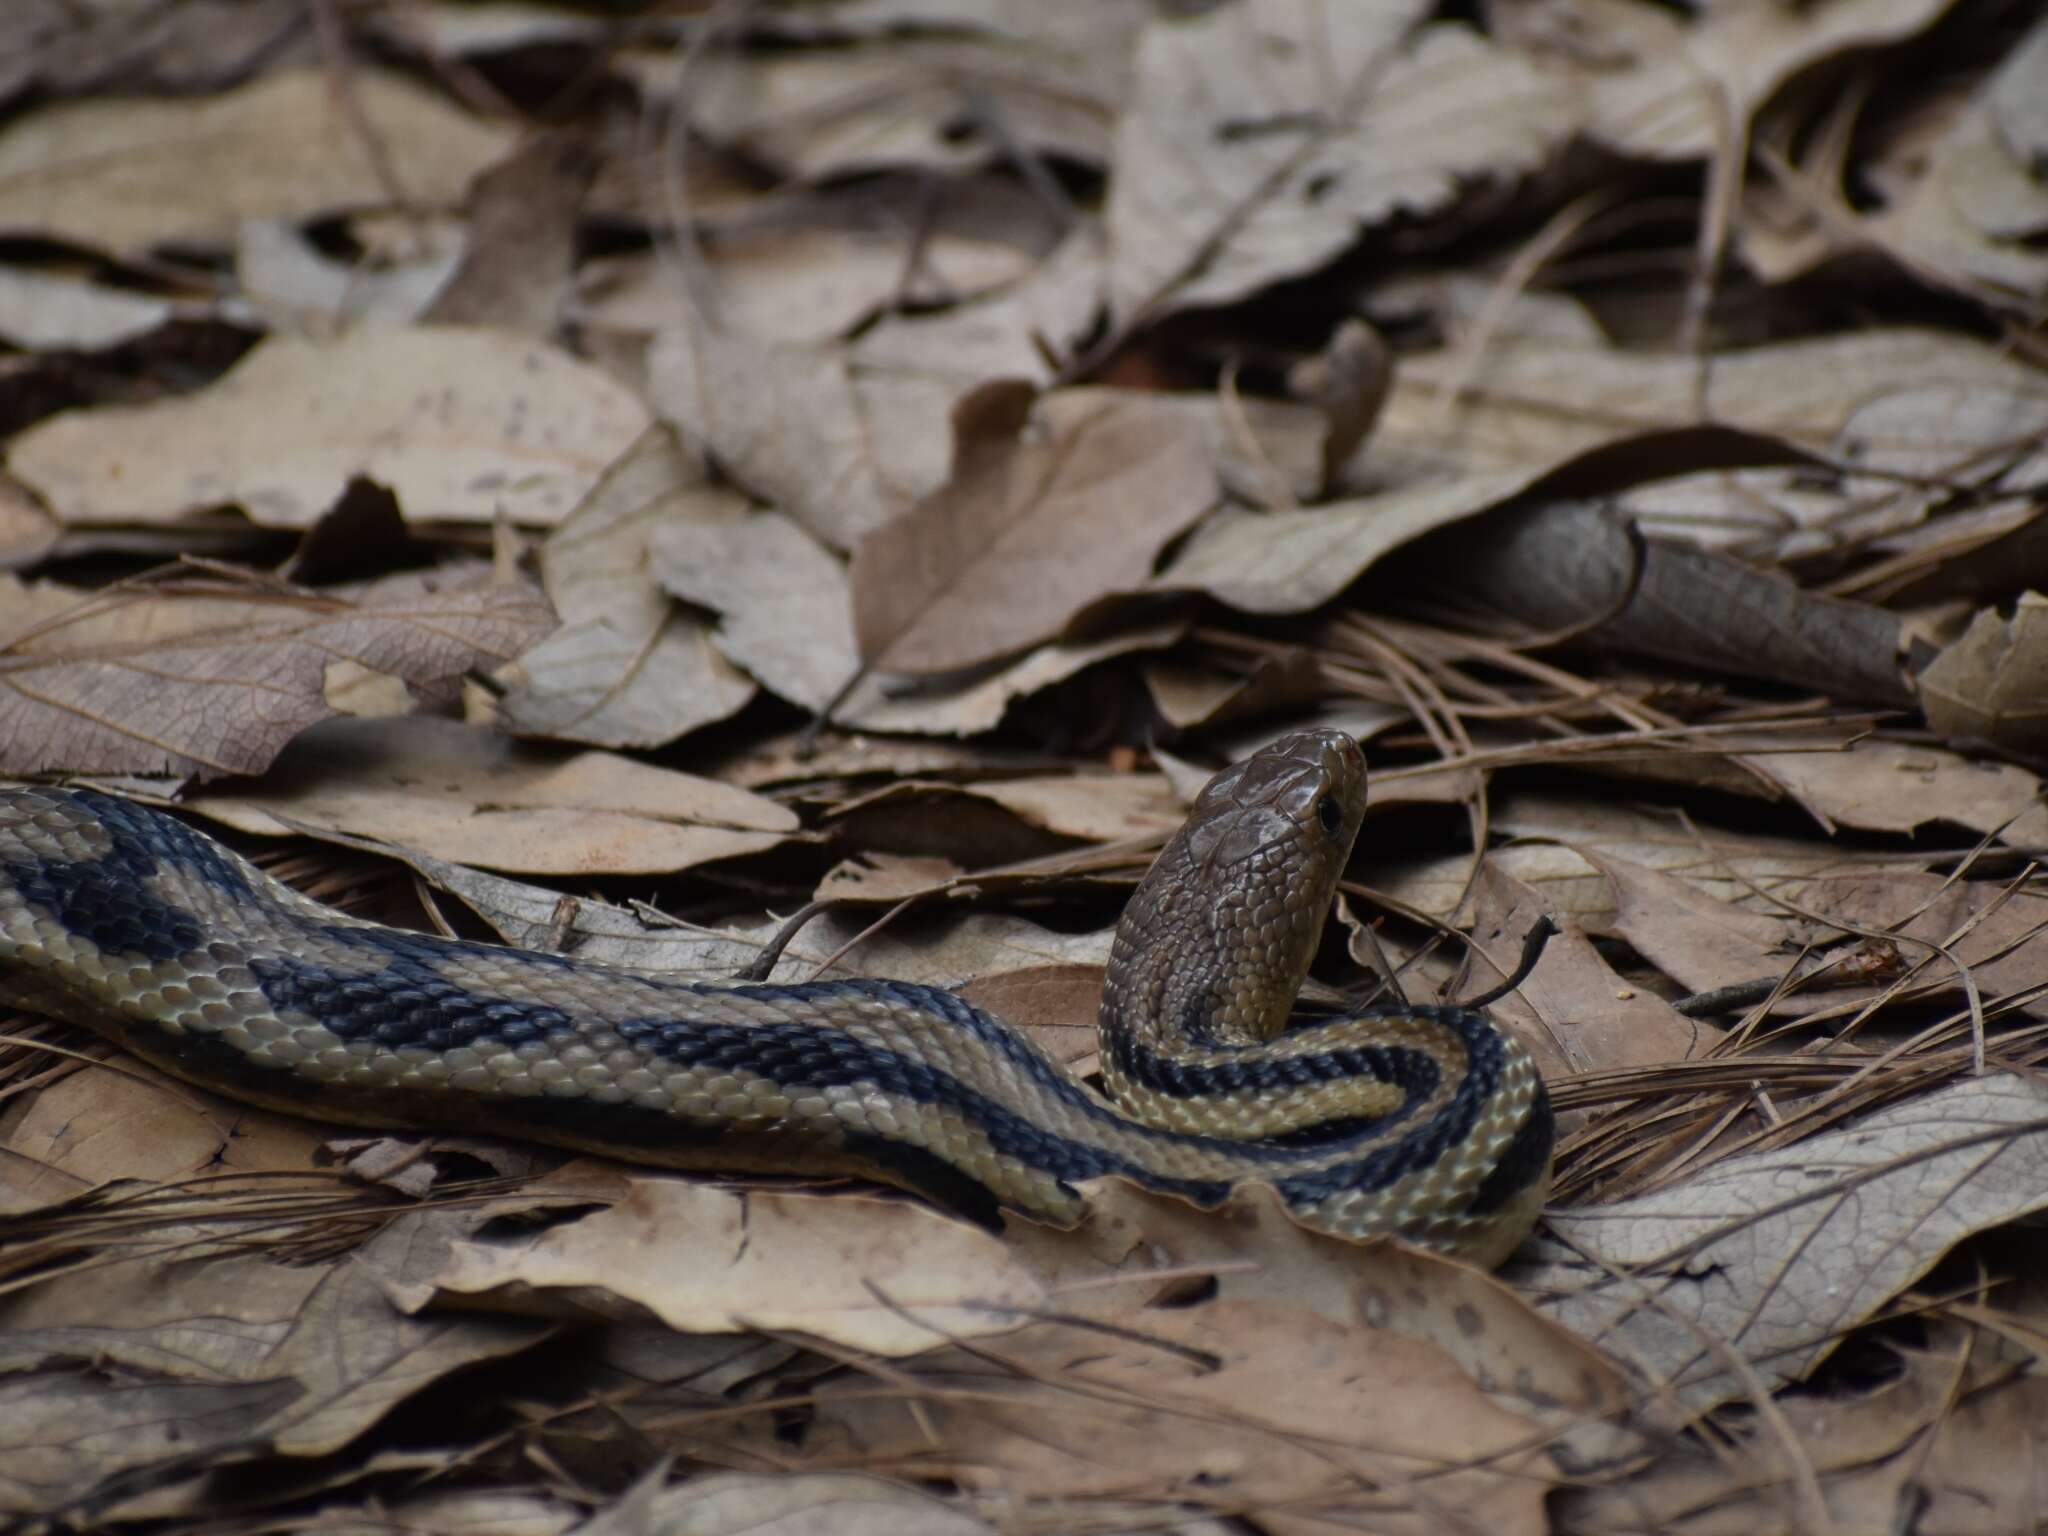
x: 965, y: 708
x: 840, y: 449
x: 1776, y: 1254
x: 818, y: 1504
x: 882, y: 1275
x: 1006, y: 335
x: 465, y: 793
x: 1666, y: 85
x: 156, y: 1362
x: 813, y: 265
x: 628, y: 668
x: 1573, y: 1012
x: 1240, y: 1406
x: 39, y: 311
x: 1992, y: 684
x: 1697, y: 941
x: 129, y: 1121
x: 469, y: 425
x: 129, y: 174
x: 295, y: 288
x: 1288, y: 562
x: 1264, y: 137
x: 1052, y: 85
x: 782, y: 599
x: 213, y: 676
x: 1026, y: 534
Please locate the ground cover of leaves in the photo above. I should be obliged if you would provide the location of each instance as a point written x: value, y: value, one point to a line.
x: 607, y: 477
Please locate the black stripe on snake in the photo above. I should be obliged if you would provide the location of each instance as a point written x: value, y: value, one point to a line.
x: 1426, y: 1123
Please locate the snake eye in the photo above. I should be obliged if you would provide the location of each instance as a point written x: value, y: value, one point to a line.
x: 1330, y: 814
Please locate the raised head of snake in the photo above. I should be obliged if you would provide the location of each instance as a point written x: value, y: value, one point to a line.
x: 1419, y: 1122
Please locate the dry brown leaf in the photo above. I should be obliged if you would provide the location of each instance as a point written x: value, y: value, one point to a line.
x: 1991, y: 684
x: 1697, y: 941
x: 1026, y: 534
x: 1263, y: 137
x: 128, y: 174
x: 1545, y: 831
x: 1953, y: 1437
x: 1007, y: 335
x: 522, y: 238
x: 296, y: 288
x: 818, y: 1504
x: 1047, y: 83
x: 840, y: 449
x: 39, y: 311
x: 1266, y: 452
x: 129, y: 1121
x: 1665, y: 85
x: 1238, y: 1406
x: 1056, y: 1004
x: 627, y: 668
x: 170, y: 1362
x: 1776, y: 1254
x: 1573, y: 1011
x: 964, y: 708
x: 210, y: 676
x: 1894, y: 786
x: 468, y: 425
x: 882, y: 1275
x: 814, y: 265
x: 469, y: 794
x: 785, y: 614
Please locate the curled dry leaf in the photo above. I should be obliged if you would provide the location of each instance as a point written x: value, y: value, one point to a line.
x: 1238, y: 1406
x: 1573, y: 1011
x: 781, y: 597
x: 627, y: 668
x: 211, y: 676
x: 469, y: 425
x: 208, y: 1361
x: 840, y: 449
x: 1992, y: 684
x: 883, y: 1275
x: 1027, y: 533
x: 1227, y: 178
x: 1774, y: 1256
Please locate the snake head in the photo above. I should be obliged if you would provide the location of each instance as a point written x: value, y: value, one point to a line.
x: 1221, y: 931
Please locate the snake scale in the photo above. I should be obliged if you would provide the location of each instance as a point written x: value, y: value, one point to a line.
x: 1426, y: 1123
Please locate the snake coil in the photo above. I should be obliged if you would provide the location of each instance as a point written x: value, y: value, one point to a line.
x: 1429, y: 1124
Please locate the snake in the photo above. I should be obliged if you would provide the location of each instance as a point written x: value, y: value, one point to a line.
x: 1420, y: 1122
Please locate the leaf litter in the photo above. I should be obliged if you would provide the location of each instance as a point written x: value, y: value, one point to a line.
x: 881, y: 457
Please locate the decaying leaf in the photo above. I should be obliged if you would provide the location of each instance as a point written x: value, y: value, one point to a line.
x: 211, y: 676
x: 158, y: 1361
x: 1263, y: 137
x: 840, y: 449
x: 627, y: 668
x: 130, y: 174
x: 1768, y: 1258
x: 1026, y: 534
x: 463, y: 792
x: 462, y: 424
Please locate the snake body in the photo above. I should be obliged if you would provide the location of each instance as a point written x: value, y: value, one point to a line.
x: 1425, y: 1123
